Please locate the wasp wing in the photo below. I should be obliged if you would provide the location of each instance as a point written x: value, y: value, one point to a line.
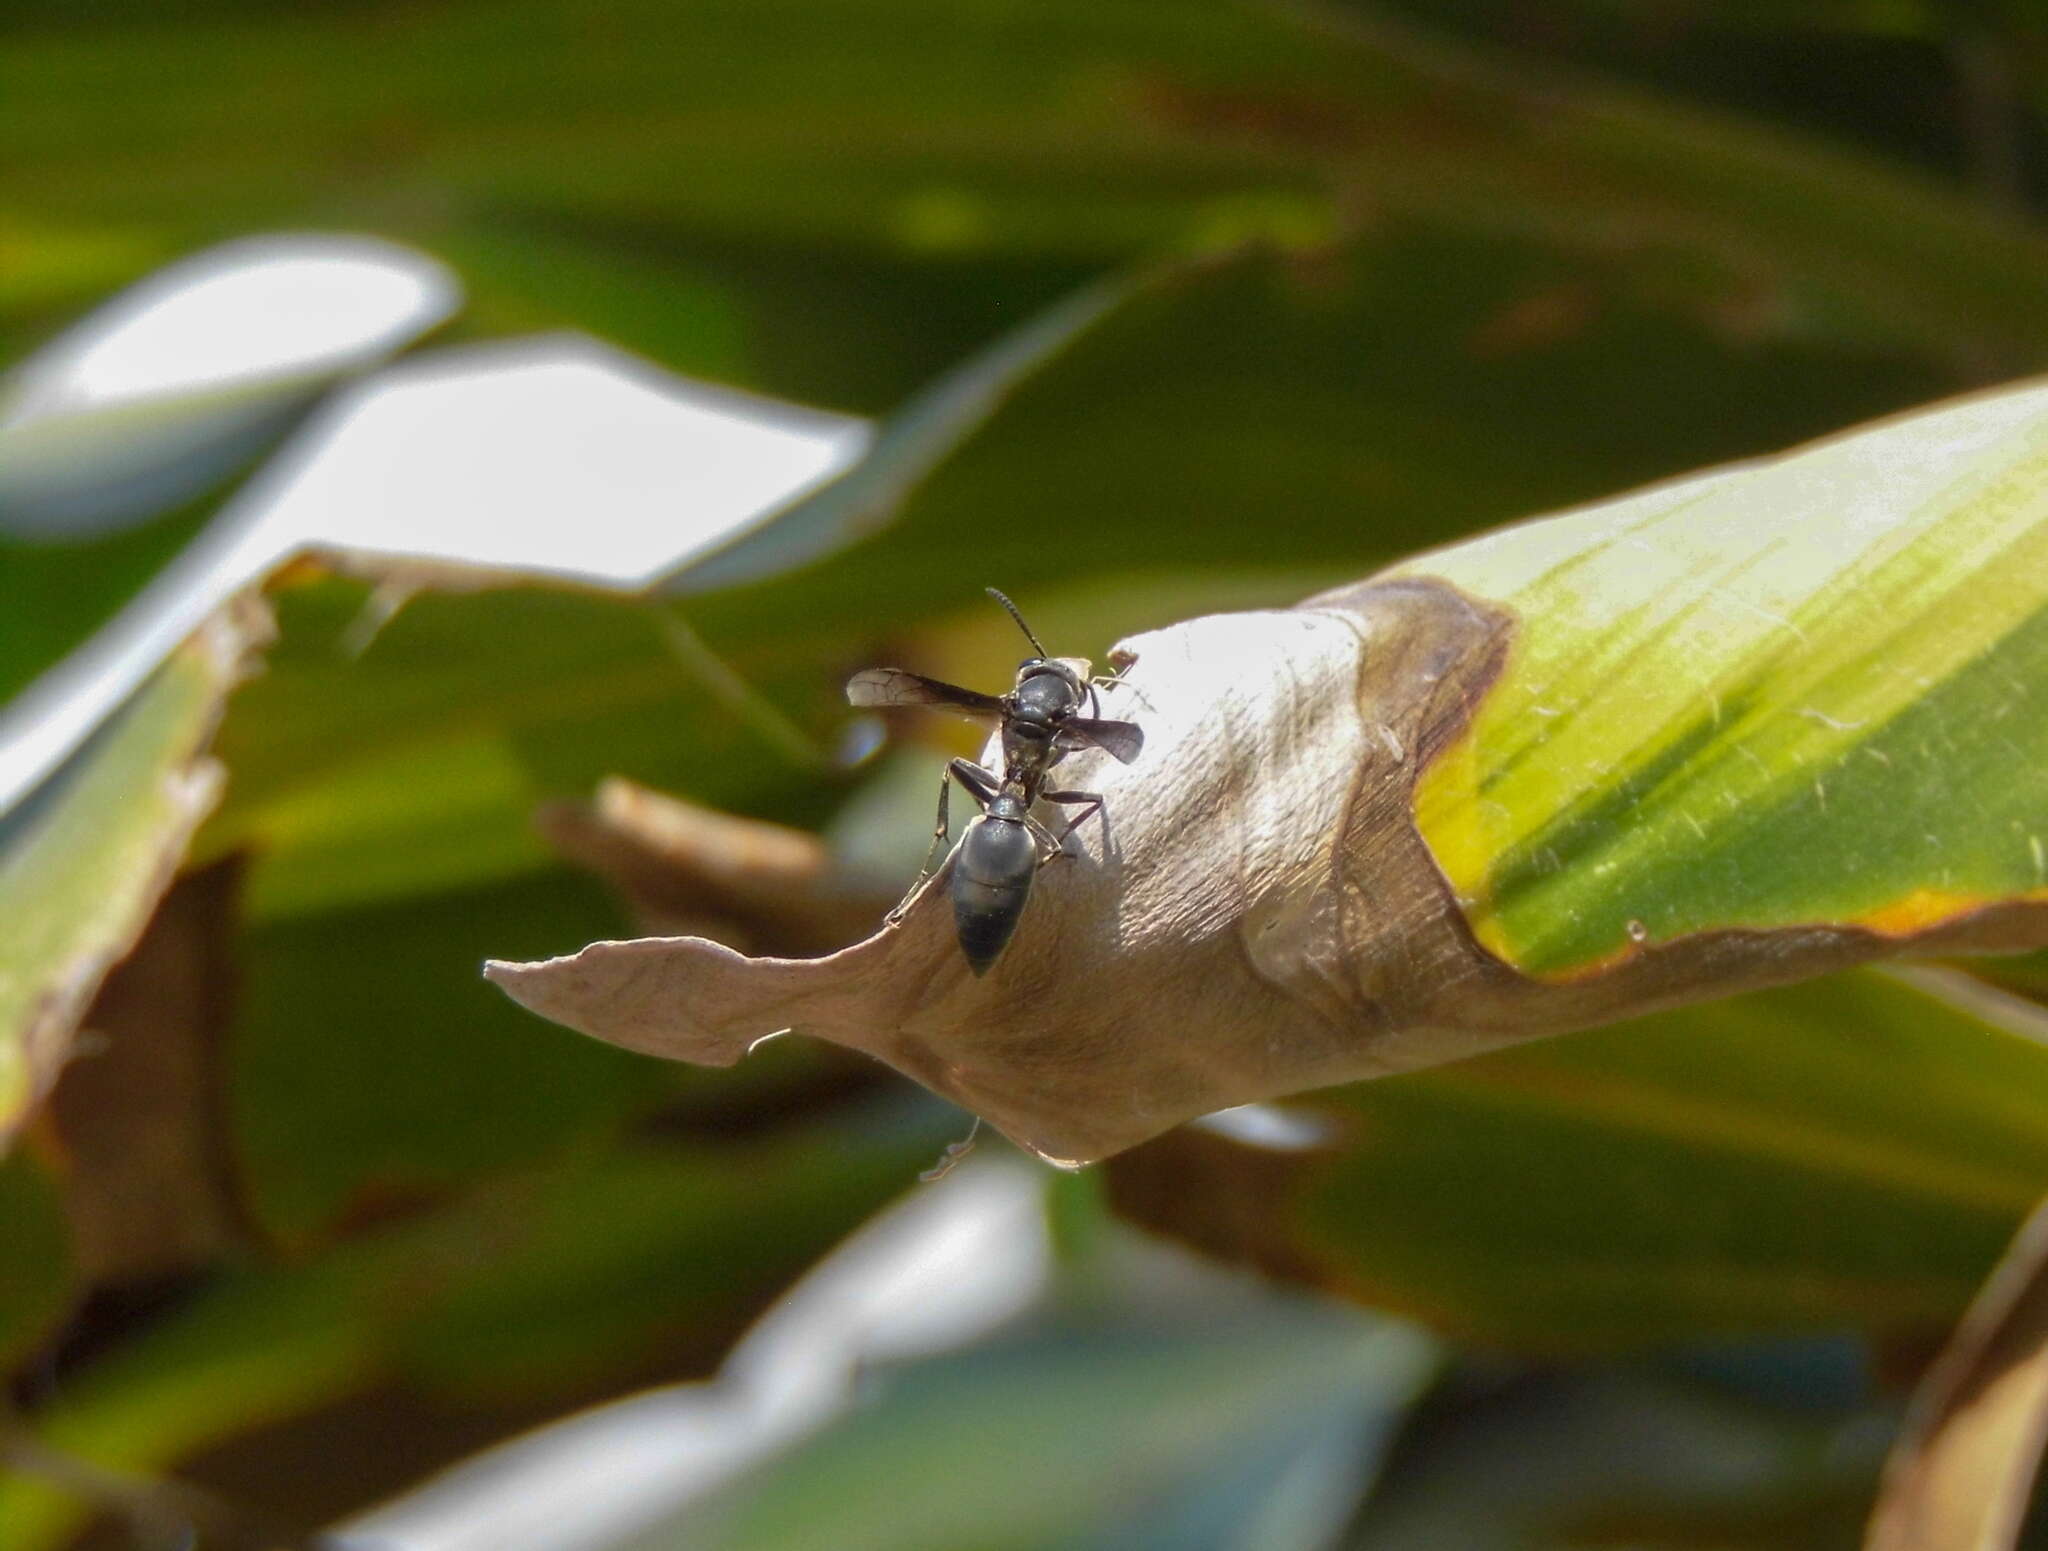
x: 1123, y: 740
x: 894, y: 687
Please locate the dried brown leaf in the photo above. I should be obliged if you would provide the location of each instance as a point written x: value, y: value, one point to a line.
x: 1961, y: 1473
x: 139, y: 1114
x: 689, y: 870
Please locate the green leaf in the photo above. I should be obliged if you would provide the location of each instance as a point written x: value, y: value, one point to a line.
x: 84, y: 859
x: 1809, y: 692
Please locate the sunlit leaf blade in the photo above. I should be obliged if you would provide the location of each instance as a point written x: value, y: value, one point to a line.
x: 1098, y: 1434
x: 1852, y: 1151
x: 84, y: 860
x: 554, y: 459
x: 1809, y: 692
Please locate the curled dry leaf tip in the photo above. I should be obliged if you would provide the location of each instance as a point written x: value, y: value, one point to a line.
x: 1254, y: 913
x: 1188, y: 953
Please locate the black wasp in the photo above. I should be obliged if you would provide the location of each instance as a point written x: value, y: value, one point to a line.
x: 1002, y: 850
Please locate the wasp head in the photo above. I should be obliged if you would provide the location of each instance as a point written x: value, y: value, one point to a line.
x: 1048, y: 692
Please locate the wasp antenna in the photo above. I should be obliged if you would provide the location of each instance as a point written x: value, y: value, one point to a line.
x: 1012, y: 609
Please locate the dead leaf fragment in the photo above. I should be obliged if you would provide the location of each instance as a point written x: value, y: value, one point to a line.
x: 139, y: 1114
x: 1206, y: 903
x: 689, y: 870
x: 1961, y: 1473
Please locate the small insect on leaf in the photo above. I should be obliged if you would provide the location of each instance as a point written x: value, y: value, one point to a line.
x: 1002, y: 850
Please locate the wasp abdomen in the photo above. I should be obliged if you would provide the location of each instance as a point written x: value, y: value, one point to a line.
x: 991, y: 881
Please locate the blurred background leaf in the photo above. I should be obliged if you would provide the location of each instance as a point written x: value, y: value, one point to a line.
x: 1850, y: 1152
x: 1234, y: 1432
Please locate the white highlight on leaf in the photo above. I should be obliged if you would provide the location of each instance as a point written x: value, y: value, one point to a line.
x: 556, y: 456
x: 164, y: 388
x: 254, y: 309
x: 1270, y: 1127
x: 542, y: 457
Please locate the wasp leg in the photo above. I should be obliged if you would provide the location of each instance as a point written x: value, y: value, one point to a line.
x: 982, y: 787
x: 1103, y: 681
x: 1091, y: 801
x: 955, y: 1151
x: 941, y: 832
x: 1048, y: 842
